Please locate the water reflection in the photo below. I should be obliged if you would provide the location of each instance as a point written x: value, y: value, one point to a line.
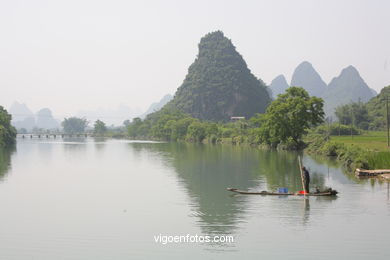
x: 5, y: 160
x: 206, y: 171
x: 306, y: 211
x: 112, y: 197
x: 100, y: 142
x: 281, y: 169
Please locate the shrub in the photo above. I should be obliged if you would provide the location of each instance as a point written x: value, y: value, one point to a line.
x: 336, y: 129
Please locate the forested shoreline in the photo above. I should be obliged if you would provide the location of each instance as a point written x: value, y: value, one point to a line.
x: 7, y: 131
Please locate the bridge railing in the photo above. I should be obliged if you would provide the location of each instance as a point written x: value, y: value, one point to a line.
x: 57, y: 135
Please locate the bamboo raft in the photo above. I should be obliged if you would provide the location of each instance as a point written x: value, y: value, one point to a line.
x: 371, y: 173
x: 329, y: 192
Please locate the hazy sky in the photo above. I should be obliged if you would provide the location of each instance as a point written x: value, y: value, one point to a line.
x: 84, y: 54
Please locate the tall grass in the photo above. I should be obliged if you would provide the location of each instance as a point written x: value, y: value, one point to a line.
x: 379, y: 160
x: 351, y: 155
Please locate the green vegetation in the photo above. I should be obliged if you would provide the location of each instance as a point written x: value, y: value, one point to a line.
x: 285, y: 123
x: 289, y: 117
x: 172, y: 125
x: 353, y: 114
x: 336, y: 129
x: 5, y: 159
x: 368, y: 151
x: 352, y: 139
x: 371, y: 140
x: 7, y: 131
x: 74, y: 125
x: 219, y: 84
x: 377, y: 109
x: 379, y: 160
x: 99, y: 128
x: 366, y: 116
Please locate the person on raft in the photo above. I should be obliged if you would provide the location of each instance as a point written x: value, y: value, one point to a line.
x: 306, y: 179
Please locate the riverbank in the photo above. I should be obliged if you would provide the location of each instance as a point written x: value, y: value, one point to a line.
x: 367, y: 151
x: 351, y: 154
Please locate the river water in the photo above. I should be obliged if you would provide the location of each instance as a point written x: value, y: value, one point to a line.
x: 85, y: 198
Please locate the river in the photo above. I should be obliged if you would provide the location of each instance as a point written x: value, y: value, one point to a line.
x: 86, y: 198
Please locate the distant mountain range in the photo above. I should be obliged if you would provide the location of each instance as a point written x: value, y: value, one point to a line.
x: 307, y: 77
x: 109, y: 116
x: 278, y: 86
x: 346, y: 88
x: 156, y: 106
x: 23, y: 117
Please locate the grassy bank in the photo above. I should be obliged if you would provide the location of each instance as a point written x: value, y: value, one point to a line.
x: 368, y: 151
x: 372, y: 140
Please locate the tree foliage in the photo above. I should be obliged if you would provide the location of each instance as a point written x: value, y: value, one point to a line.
x: 290, y: 116
x: 377, y: 109
x: 99, y: 127
x: 171, y: 125
x: 74, y: 125
x: 367, y: 116
x: 7, y: 131
x: 286, y: 121
x: 353, y: 114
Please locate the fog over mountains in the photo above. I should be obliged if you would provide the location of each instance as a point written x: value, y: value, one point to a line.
x: 110, y: 116
x: 278, y: 85
x: 307, y: 77
x: 156, y: 106
x: 209, y: 87
x: 23, y: 117
x: 348, y: 87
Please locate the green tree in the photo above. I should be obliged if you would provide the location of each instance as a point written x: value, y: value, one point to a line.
x: 99, y: 127
x: 196, y: 132
x: 180, y: 128
x: 133, y: 129
x: 74, y: 125
x: 211, y: 129
x: 126, y: 123
x: 377, y: 109
x: 289, y: 117
x: 355, y: 113
x: 255, y: 121
x: 7, y: 131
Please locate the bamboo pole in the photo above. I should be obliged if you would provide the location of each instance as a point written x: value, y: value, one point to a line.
x: 300, y: 168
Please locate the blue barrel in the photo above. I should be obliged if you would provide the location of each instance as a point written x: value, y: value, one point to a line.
x: 282, y: 190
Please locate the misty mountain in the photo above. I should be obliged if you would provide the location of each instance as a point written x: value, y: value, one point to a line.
x: 109, y: 116
x: 156, y: 106
x: 278, y: 85
x: 219, y: 84
x: 307, y: 77
x: 22, y: 116
x: 45, y: 119
x: 20, y: 111
x: 346, y: 88
x: 374, y: 92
